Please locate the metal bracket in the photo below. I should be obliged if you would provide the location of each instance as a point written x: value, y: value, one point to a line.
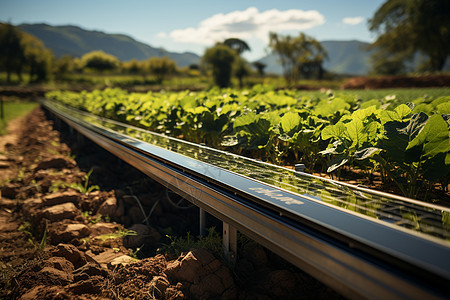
x: 229, y: 234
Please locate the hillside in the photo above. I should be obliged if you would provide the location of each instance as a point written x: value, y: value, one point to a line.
x: 345, y: 57
x: 75, y: 41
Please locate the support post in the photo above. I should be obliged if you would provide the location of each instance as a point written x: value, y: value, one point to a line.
x: 229, y: 234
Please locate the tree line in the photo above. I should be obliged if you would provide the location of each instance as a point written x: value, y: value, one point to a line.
x: 406, y: 30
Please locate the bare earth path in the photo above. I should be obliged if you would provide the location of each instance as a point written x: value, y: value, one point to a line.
x: 59, y: 242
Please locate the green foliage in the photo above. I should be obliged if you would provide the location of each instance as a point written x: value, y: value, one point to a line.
x: 406, y: 27
x: 160, y: 67
x: 27, y: 228
x: 118, y: 234
x: 83, y: 188
x: 11, y: 50
x: 220, y: 58
x: 23, y: 52
x: 321, y: 130
x: 178, y: 245
x: 100, y: 61
x: 302, y: 55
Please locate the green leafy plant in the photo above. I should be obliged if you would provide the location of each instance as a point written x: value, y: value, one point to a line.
x: 118, y: 234
x: 27, y: 228
x: 365, y: 130
x: 178, y: 245
x: 80, y: 187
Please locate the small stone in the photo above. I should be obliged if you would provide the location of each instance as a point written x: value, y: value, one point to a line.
x: 106, y: 257
x: 60, y: 211
x: 101, y: 228
x: 57, y: 275
x: 60, y: 198
x: 60, y: 263
x: 56, y: 162
x: 10, y: 190
x: 88, y: 270
x: 108, y: 207
x: 72, y: 254
x: 122, y: 261
x: 93, y: 285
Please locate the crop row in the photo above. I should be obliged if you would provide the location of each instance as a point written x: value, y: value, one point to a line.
x: 407, y: 144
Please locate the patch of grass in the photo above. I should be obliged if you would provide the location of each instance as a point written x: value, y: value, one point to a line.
x: 118, y: 234
x: 178, y: 245
x: 13, y: 110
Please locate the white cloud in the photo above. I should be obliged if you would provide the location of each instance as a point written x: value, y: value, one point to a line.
x: 247, y: 24
x: 352, y: 20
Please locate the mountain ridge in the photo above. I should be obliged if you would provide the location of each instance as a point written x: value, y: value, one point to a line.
x: 76, y: 41
x: 345, y: 57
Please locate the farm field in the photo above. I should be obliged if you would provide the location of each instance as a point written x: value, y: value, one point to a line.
x: 396, y: 140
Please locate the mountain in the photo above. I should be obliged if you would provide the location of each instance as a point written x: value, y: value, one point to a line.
x: 344, y: 57
x: 76, y: 41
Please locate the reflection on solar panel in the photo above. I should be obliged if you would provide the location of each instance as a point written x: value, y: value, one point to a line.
x: 391, y: 210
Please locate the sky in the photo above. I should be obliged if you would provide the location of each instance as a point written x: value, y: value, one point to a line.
x: 194, y: 25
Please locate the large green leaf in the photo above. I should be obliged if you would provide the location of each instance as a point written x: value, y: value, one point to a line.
x: 356, y: 133
x: 329, y: 107
x: 443, y: 108
x: 434, y: 137
x: 290, y: 121
x: 244, y: 120
x: 338, y: 131
x: 367, y: 153
x: 398, y: 114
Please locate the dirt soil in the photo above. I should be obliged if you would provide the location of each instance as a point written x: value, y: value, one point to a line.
x: 60, y: 240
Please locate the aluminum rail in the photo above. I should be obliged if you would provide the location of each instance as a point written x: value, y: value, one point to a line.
x: 362, y: 250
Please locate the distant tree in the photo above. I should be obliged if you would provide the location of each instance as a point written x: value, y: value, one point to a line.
x: 62, y: 66
x: 11, y: 51
x: 133, y: 67
x: 220, y: 58
x: 405, y: 27
x: 387, y: 64
x: 260, y: 67
x: 297, y: 55
x: 240, y: 66
x: 38, y: 58
x: 237, y: 45
x: 240, y: 70
x: 99, y: 61
x: 161, y: 67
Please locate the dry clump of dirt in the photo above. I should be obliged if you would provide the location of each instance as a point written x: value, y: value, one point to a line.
x: 59, y: 240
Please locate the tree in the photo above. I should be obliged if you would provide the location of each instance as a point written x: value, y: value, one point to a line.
x: 11, y: 51
x: 240, y: 69
x: 99, y: 61
x: 38, y: 58
x: 260, y: 67
x: 406, y: 26
x: 237, y: 45
x: 298, y: 55
x: 240, y: 66
x: 220, y: 58
x: 62, y: 66
x: 161, y: 67
x: 133, y: 67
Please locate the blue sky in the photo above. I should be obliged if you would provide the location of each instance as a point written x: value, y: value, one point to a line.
x: 193, y: 25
